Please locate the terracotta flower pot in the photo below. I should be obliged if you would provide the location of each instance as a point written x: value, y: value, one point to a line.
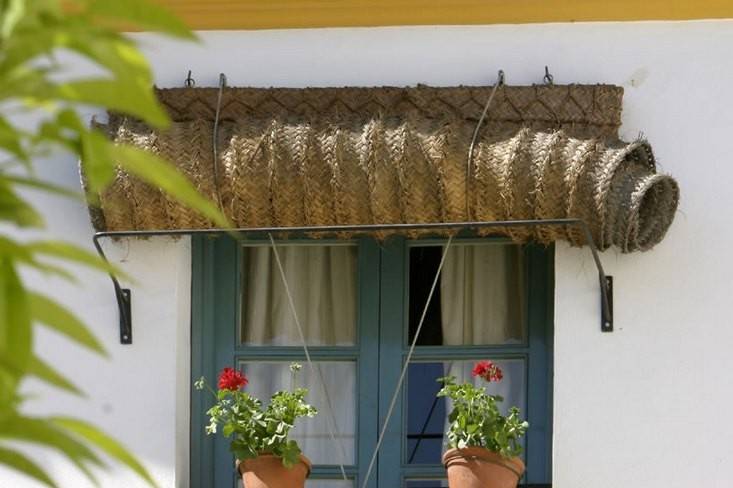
x: 267, y: 471
x: 477, y: 467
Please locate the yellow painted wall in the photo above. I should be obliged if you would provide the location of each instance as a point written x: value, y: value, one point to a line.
x: 279, y: 14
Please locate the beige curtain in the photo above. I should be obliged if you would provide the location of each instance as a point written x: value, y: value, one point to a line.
x: 482, y: 295
x: 483, y: 303
x: 322, y: 281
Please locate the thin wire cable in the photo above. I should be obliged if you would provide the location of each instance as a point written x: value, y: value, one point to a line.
x: 397, y: 390
x: 469, y: 163
x: 316, y: 371
x: 215, y: 137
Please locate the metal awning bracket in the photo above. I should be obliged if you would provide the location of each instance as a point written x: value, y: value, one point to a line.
x: 123, y: 295
x: 606, y: 304
x: 124, y: 302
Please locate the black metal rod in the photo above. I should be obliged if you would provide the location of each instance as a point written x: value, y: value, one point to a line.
x: 351, y: 228
x: 422, y: 435
x: 239, y: 233
x: 432, y: 435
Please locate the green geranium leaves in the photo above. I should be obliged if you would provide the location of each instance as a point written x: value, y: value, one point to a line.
x: 254, y: 430
x: 475, y: 420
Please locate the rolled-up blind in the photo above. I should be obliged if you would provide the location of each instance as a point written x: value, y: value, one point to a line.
x: 344, y: 156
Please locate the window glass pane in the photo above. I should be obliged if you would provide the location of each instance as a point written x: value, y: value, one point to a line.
x: 315, y: 483
x: 427, y: 414
x: 312, y: 483
x: 480, y: 298
x: 312, y: 434
x: 322, y: 281
x: 425, y: 483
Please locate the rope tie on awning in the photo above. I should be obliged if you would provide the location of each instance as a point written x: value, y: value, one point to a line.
x: 469, y: 162
x: 215, y: 139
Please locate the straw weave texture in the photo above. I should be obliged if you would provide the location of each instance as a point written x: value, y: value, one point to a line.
x: 329, y: 156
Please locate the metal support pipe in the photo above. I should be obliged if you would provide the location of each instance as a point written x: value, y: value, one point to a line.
x: 123, y: 295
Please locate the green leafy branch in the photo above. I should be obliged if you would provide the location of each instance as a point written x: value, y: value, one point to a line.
x: 34, y: 82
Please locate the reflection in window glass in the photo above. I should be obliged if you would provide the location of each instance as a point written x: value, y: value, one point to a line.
x: 427, y: 414
x: 480, y: 300
x: 322, y: 280
x: 265, y: 378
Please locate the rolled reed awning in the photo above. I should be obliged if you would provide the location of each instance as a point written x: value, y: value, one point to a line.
x: 343, y: 156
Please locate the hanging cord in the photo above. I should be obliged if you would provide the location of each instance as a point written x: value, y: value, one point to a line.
x: 397, y: 390
x: 314, y: 370
x: 215, y: 142
x: 469, y: 163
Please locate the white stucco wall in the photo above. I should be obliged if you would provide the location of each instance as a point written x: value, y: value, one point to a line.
x: 646, y: 406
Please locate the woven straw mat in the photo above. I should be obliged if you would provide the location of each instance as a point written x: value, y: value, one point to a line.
x: 343, y: 156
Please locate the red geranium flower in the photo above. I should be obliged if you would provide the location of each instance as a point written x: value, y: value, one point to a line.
x: 231, y: 379
x: 488, y: 371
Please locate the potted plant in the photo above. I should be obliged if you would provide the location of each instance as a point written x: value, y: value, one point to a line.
x: 266, y: 458
x: 483, y: 444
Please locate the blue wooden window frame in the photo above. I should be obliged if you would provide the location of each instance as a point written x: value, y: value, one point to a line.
x: 381, y: 331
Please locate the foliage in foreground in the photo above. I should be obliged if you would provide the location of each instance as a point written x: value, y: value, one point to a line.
x: 33, y: 82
